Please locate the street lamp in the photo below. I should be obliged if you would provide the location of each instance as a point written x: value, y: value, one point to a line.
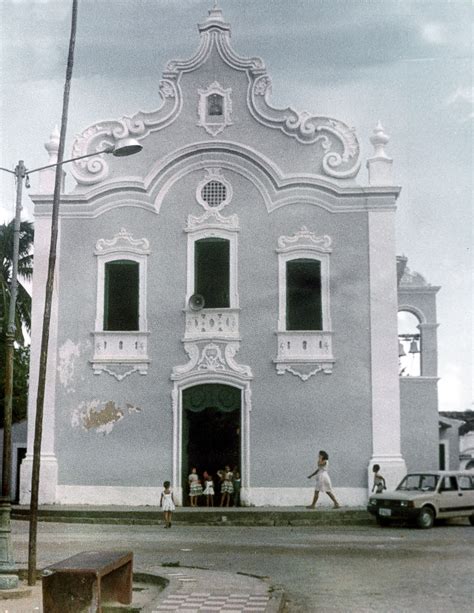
x: 123, y: 147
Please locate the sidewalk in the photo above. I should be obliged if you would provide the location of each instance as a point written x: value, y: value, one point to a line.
x: 188, y: 589
x: 214, y: 516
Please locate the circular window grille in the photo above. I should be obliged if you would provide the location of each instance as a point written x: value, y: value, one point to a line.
x: 214, y: 193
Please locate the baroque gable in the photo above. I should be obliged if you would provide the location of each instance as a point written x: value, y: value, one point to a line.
x: 336, y: 149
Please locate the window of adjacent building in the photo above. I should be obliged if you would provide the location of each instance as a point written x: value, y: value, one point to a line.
x: 212, y: 271
x: 121, y: 295
x: 215, y: 105
x: 303, y: 295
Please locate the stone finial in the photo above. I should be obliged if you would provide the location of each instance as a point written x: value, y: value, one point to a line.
x: 379, y: 139
x: 380, y: 164
x: 47, y: 176
x: 52, y: 146
x: 215, y: 14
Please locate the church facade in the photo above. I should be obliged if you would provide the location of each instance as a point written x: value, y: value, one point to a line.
x: 228, y: 296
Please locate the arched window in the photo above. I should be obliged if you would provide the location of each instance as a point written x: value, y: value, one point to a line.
x: 409, y: 341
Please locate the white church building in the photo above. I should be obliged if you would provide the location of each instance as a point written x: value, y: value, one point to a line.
x: 229, y: 295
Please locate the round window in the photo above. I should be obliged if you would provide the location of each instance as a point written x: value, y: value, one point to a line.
x: 214, y: 193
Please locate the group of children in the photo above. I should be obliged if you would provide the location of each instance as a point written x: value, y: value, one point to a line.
x: 229, y: 489
x: 229, y: 485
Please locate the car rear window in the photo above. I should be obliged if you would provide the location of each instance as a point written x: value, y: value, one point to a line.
x: 466, y: 482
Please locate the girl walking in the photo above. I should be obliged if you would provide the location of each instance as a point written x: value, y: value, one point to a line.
x: 323, y: 482
x: 167, y: 503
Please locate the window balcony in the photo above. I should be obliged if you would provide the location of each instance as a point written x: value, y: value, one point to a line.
x: 212, y: 324
x: 305, y: 352
x: 120, y: 347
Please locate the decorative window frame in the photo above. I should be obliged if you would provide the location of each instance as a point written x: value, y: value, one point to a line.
x: 304, y: 352
x: 219, y: 122
x: 121, y: 352
x: 228, y: 235
x: 221, y: 323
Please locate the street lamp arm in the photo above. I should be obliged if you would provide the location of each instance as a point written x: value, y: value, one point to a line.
x: 123, y: 148
x: 81, y: 157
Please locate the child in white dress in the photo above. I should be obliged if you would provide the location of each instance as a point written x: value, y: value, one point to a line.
x: 323, y: 482
x: 209, y: 491
x: 167, y: 503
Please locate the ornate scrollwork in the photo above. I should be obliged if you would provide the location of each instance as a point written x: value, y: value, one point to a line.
x: 338, y: 142
x: 305, y: 238
x: 105, y: 134
x: 216, y: 357
x: 122, y: 241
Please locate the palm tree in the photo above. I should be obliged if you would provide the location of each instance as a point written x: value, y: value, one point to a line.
x: 25, y: 271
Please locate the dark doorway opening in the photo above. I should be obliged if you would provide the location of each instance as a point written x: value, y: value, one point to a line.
x: 211, y: 431
x: 21, y: 453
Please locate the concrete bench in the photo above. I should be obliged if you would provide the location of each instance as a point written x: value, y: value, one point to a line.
x: 87, y: 581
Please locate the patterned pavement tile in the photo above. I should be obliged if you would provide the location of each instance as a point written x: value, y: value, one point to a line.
x: 201, y: 602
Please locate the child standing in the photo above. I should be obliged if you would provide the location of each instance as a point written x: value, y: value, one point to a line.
x: 195, y: 487
x: 323, y: 482
x: 227, y: 487
x: 167, y: 503
x: 236, y: 484
x: 379, y: 482
x: 209, y: 490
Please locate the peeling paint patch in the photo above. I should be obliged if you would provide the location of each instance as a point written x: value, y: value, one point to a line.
x: 68, y: 353
x: 100, y: 416
x: 132, y: 408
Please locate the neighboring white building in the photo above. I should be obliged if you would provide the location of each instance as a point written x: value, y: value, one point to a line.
x: 457, y: 439
x: 260, y: 212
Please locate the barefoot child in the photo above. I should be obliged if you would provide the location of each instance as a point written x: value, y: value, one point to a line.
x: 379, y: 482
x: 167, y: 503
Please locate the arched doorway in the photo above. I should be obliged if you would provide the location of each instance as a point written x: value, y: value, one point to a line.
x: 211, y: 429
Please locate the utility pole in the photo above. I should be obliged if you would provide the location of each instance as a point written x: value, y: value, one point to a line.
x: 35, y: 477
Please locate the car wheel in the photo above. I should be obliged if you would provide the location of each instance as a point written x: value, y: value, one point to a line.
x: 471, y: 519
x: 426, y: 518
x: 382, y: 521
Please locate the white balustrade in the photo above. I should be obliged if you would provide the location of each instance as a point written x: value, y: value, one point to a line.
x: 120, y: 346
x: 310, y: 346
x: 212, y: 323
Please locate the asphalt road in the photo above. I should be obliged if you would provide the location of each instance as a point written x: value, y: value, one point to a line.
x: 321, y: 569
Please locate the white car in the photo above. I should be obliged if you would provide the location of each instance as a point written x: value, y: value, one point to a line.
x: 423, y: 497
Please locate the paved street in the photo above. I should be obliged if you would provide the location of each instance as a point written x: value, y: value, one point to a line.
x: 321, y: 569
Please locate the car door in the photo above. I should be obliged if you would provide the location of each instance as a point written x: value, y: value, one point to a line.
x: 466, y: 490
x: 451, y: 498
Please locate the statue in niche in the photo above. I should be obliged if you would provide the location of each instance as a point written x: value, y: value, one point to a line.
x: 215, y: 104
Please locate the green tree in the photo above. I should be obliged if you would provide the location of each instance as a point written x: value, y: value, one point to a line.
x: 22, y: 315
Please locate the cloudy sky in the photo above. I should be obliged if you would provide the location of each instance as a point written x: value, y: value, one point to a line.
x: 407, y: 63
